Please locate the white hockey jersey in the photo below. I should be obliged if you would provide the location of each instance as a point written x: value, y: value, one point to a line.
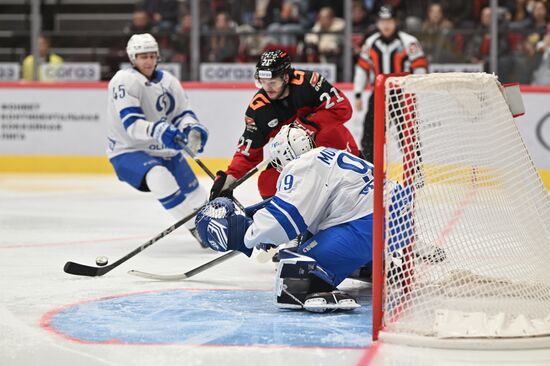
x: 322, y: 188
x: 135, y: 103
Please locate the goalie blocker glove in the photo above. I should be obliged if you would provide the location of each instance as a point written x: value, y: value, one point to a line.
x: 222, y: 226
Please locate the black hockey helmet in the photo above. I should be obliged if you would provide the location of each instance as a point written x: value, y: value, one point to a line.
x: 272, y: 63
x: 386, y: 12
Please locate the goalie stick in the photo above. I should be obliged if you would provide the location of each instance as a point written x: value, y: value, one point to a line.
x: 93, y: 271
x: 183, y: 276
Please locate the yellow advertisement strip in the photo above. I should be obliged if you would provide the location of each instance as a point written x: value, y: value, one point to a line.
x: 101, y: 165
x: 83, y: 164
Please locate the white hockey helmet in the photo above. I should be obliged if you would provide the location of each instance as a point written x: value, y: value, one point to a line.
x: 290, y: 142
x: 141, y: 43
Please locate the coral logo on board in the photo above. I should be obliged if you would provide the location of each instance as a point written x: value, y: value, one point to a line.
x: 543, y: 131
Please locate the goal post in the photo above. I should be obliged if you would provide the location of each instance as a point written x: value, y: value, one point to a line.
x: 461, y: 230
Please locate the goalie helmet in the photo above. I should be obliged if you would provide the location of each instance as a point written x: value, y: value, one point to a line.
x: 141, y: 43
x: 289, y: 143
x: 272, y: 63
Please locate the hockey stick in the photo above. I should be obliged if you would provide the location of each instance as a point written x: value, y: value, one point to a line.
x: 183, y: 276
x: 203, y: 167
x: 93, y: 271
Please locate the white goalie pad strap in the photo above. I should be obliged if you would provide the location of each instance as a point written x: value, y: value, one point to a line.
x: 512, y: 95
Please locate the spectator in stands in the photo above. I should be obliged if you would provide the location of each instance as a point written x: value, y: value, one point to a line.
x: 45, y: 57
x: 293, y: 20
x: 362, y: 21
x: 535, y: 33
x: 265, y: 12
x: 414, y: 13
x: 141, y: 23
x: 536, y: 30
x: 477, y: 50
x: 224, y: 44
x: 435, y: 20
x: 164, y: 13
x: 435, y: 35
x: 541, y: 76
x: 181, y: 44
x: 519, y: 15
x: 326, y: 42
x: 461, y: 13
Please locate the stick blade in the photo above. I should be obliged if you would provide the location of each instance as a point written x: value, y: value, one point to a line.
x: 158, y: 277
x: 81, y: 269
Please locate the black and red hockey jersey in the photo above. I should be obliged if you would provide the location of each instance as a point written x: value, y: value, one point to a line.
x: 316, y: 103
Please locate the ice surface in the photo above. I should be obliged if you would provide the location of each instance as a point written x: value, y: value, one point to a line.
x: 119, y: 319
x: 50, y: 318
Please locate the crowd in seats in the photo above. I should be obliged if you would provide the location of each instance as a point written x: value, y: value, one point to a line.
x: 450, y: 31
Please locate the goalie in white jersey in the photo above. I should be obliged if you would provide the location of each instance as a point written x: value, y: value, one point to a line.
x: 149, y: 119
x: 324, y: 192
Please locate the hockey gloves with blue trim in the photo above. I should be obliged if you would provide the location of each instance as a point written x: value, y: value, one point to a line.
x: 195, y: 136
x: 222, y: 227
x: 167, y: 134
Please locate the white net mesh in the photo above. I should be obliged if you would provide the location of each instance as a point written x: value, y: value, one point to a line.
x: 476, y: 262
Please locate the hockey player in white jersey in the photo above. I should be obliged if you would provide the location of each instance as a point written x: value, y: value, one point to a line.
x: 149, y: 118
x: 323, y: 192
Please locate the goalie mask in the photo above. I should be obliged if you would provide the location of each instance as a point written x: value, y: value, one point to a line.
x: 289, y: 143
x: 141, y: 43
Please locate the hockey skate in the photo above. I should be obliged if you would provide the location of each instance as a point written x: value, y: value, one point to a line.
x: 321, y: 302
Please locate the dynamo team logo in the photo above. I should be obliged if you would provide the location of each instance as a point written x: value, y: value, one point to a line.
x: 166, y: 102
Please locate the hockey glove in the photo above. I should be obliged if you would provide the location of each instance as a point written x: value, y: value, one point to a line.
x: 310, y: 126
x: 195, y: 136
x: 221, y: 183
x: 166, y: 134
x: 222, y: 227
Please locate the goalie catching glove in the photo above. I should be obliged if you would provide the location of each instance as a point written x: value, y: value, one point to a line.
x: 222, y: 226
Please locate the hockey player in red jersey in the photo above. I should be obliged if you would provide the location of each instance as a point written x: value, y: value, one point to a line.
x: 286, y: 95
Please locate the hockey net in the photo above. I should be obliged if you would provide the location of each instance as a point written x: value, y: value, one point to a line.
x: 466, y: 249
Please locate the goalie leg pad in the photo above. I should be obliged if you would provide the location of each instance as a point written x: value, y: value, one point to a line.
x: 321, y: 302
x: 292, y: 281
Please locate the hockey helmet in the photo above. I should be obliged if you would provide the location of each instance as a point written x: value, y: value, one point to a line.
x: 289, y: 143
x: 386, y: 12
x: 271, y: 64
x: 141, y: 43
